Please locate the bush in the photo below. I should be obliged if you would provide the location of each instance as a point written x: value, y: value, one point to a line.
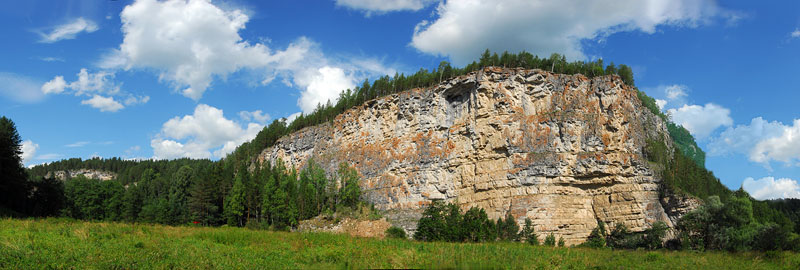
x: 655, y: 235
x: 561, y: 242
x: 396, y: 232
x: 550, y: 240
x: 597, y: 238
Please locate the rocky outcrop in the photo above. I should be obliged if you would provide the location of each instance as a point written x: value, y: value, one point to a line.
x: 91, y: 174
x: 563, y: 150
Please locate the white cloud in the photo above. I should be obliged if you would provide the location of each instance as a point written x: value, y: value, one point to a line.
x: 795, y: 33
x: 69, y: 30
x: 104, y: 104
x: 383, y: 6
x: 291, y: 117
x: 78, y: 144
x: 785, y: 147
x: 100, y: 86
x: 661, y: 103
x: 197, y: 135
x: 675, y: 92
x: 701, y: 120
x: 19, y: 88
x: 770, y: 188
x: 742, y: 138
x: 257, y: 116
x: 51, y: 59
x: 761, y: 141
x: 190, y: 43
x: 28, y: 150
x: 464, y: 29
x: 325, y: 86
x: 54, y: 86
x: 48, y: 156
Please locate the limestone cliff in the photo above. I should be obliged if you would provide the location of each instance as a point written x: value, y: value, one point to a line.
x: 563, y: 150
x: 88, y: 173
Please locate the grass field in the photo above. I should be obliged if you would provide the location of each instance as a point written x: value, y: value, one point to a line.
x: 63, y: 243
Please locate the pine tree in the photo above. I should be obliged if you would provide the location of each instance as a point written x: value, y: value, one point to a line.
x: 13, y: 178
x: 528, y: 234
x: 234, y: 203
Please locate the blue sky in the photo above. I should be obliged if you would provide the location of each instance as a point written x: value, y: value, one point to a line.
x: 168, y: 79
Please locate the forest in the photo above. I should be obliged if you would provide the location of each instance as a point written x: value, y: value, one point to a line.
x: 238, y: 192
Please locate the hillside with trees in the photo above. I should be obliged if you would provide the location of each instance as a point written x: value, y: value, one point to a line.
x: 233, y: 191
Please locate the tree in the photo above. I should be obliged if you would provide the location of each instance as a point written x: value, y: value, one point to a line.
x: 561, y: 242
x: 508, y: 229
x: 654, y: 236
x: 597, y: 238
x: 201, y: 201
x: 234, y: 203
x: 350, y: 193
x: 178, y: 193
x: 431, y: 227
x: 550, y: 240
x: 528, y: 234
x: 13, y: 178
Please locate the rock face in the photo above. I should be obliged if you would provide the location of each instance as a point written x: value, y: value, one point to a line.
x: 91, y: 174
x: 563, y: 150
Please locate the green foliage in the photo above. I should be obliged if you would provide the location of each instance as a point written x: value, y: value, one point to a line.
x: 681, y: 174
x: 681, y: 138
x: 445, y: 222
x: 508, y: 229
x: 234, y: 203
x: 13, y: 178
x: 528, y: 234
x: 731, y: 225
x: 597, y: 238
x: 550, y: 240
x: 561, y: 242
x: 654, y: 236
x: 396, y: 232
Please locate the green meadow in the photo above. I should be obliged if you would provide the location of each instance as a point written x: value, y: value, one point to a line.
x: 55, y: 243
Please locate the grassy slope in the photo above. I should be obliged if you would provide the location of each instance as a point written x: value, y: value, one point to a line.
x: 60, y: 243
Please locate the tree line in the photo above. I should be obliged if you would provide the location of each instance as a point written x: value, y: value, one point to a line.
x: 446, y: 222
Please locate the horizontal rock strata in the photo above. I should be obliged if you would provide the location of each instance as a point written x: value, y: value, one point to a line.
x: 563, y: 150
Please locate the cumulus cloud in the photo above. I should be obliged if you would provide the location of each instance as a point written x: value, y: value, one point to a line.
x: 795, y: 33
x: 768, y: 188
x: 99, y: 87
x: 256, y: 116
x: 762, y: 141
x: 69, y: 30
x: 28, y: 150
x: 742, y: 138
x: 661, y: 103
x: 324, y: 86
x: 204, y: 134
x: 383, y: 6
x: 104, y: 104
x: 190, y: 43
x: 785, y: 147
x: 20, y: 88
x: 701, y: 120
x: 464, y: 29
